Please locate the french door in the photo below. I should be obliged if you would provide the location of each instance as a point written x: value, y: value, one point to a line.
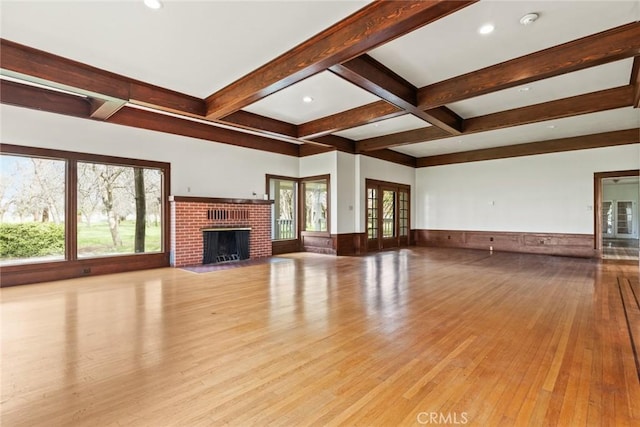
x: 388, y: 218
x: 617, y: 218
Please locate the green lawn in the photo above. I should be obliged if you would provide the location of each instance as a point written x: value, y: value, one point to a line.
x: 96, y: 240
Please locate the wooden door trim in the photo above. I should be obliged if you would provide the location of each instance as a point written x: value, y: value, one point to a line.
x: 597, y: 203
x: 380, y: 186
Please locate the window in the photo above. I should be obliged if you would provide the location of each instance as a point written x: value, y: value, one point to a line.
x: 62, y: 212
x: 316, y: 207
x: 32, y: 209
x: 284, y: 193
x: 119, y: 209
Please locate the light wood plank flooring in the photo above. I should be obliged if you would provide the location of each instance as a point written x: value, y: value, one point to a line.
x: 420, y: 336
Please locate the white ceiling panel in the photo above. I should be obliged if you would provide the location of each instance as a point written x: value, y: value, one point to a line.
x: 194, y: 47
x: 571, y: 84
x: 605, y: 121
x: 452, y: 46
x: 330, y: 95
x: 384, y: 127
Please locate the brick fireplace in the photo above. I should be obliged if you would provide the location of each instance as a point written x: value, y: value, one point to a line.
x: 190, y: 216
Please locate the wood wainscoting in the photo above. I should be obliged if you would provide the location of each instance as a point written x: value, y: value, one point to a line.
x: 342, y: 244
x: 20, y: 274
x: 576, y: 245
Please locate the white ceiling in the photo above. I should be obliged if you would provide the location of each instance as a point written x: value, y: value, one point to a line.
x: 330, y: 95
x: 605, y: 121
x: 194, y: 47
x: 452, y: 46
x: 198, y: 47
x: 384, y: 127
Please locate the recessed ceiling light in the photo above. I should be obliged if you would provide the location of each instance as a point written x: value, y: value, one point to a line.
x: 529, y: 18
x: 153, y: 4
x: 551, y: 126
x: 524, y: 89
x: 486, y: 29
x: 307, y: 99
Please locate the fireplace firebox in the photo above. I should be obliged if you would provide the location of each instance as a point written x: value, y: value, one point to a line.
x: 225, y: 244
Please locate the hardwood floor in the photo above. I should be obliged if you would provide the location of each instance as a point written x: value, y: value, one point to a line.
x: 420, y: 336
x: 620, y: 249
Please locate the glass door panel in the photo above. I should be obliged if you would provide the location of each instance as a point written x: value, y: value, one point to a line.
x: 388, y: 214
x: 284, y: 195
x: 607, y: 218
x: 624, y: 219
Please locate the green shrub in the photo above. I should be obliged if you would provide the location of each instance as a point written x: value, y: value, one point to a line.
x: 31, y: 239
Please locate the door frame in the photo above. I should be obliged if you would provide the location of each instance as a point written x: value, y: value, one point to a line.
x: 398, y: 241
x: 597, y: 203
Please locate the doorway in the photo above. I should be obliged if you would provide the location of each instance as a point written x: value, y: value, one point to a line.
x: 388, y: 215
x: 617, y: 215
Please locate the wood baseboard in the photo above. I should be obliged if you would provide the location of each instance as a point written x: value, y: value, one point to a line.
x: 285, y: 246
x: 575, y: 245
x: 13, y: 275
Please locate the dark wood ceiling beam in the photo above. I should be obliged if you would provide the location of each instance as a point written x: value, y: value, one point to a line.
x: 371, y: 26
x: 603, y: 100
x: 635, y: 81
x: 147, y: 95
x: 36, y: 98
x: 109, y: 89
x: 430, y: 133
x: 257, y: 122
x: 21, y: 95
x: 608, y: 99
x: 37, y: 66
x: 394, y: 157
x: 150, y: 120
x: 372, y: 76
x: 339, y: 143
x: 370, y: 113
x: 597, y: 49
x: 606, y: 139
x: 42, y: 67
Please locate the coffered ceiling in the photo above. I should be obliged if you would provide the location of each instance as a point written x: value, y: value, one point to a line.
x: 412, y: 82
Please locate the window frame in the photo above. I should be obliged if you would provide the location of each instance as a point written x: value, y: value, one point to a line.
x: 72, y: 266
x: 302, y: 207
x: 296, y: 210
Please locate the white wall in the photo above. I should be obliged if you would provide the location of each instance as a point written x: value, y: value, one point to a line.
x: 346, y: 194
x: 371, y: 168
x: 544, y: 193
x: 198, y: 168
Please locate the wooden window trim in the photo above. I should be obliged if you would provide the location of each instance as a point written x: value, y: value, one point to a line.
x: 269, y: 177
x: 71, y: 266
x: 303, y: 217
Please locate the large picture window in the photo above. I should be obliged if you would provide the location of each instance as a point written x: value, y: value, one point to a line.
x: 61, y: 213
x: 119, y: 209
x: 32, y: 209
